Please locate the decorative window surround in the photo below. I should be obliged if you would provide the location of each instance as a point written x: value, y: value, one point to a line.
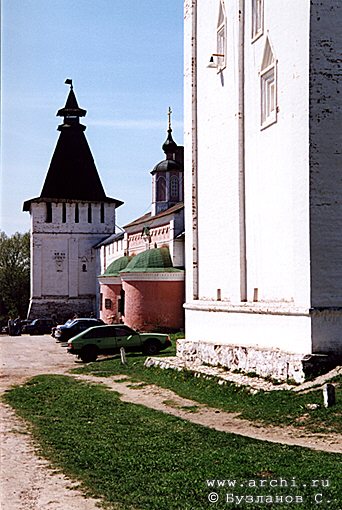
x: 268, y: 87
x: 221, y: 38
x: 257, y: 19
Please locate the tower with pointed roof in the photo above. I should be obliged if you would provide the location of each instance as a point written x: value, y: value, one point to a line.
x: 71, y: 215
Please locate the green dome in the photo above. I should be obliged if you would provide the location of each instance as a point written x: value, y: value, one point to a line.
x: 157, y: 260
x: 116, y: 266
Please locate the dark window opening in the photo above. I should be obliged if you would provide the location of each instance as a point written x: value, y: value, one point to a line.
x: 89, y: 213
x: 121, y: 302
x: 101, y: 301
x: 84, y: 268
x: 102, y: 213
x: 108, y: 304
x: 77, y: 214
x: 48, y: 213
x: 63, y: 213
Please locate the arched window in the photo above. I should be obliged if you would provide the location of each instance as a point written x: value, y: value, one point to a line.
x: 268, y: 86
x: 221, y: 37
x: 161, y: 189
x: 174, y: 188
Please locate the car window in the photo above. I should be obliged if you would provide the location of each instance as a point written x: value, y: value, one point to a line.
x: 123, y: 331
x: 92, y: 333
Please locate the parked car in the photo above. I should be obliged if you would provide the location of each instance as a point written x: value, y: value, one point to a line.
x: 76, y: 326
x: 109, y: 339
x: 39, y: 327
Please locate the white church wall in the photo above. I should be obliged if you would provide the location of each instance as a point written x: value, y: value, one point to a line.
x: 277, y: 180
x: 218, y: 211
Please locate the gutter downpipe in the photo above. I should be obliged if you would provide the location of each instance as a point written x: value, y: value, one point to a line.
x: 194, y: 144
x: 241, y: 154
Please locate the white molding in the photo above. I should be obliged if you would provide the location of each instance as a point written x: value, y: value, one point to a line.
x: 252, y: 308
x: 140, y: 277
x: 109, y: 280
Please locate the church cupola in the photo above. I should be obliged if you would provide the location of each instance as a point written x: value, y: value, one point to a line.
x: 167, y: 175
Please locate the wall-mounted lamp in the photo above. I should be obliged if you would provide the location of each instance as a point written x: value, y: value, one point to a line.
x: 212, y: 64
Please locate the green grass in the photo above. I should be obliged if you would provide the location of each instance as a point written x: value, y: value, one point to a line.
x: 280, y: 408
x: 137, y: 458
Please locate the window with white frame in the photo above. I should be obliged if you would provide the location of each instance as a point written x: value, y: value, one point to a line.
x: 257, y: 18
x: 268, y: 85
x: 221, y: 37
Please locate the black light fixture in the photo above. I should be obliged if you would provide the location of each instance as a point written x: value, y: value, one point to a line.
x: 212, y: 64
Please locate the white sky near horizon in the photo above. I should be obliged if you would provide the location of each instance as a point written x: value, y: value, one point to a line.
x: 126, y: 62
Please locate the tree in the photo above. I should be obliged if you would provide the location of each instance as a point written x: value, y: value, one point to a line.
x: 14, y: 274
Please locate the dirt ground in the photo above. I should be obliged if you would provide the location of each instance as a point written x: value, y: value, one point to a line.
x: 27, y: 481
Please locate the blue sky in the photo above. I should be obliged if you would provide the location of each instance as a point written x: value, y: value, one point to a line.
x: 126, y: 61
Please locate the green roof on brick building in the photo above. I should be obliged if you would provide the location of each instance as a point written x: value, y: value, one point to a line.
x: 117, y: 265
x: 157, y: 260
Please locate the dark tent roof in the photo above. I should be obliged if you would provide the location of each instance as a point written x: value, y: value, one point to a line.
x: 72, y: 174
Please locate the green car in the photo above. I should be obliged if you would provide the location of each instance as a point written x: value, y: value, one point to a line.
x: 109, y: 339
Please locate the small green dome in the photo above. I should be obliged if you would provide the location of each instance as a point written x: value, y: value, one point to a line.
x: 157, y: 260
x: 117, y: 265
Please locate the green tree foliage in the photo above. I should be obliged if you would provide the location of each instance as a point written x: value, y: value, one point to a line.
x: 14, y: 274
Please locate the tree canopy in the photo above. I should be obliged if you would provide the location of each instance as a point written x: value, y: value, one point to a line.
x: 14, y: 274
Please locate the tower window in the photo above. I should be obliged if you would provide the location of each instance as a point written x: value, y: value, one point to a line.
x: 48, y: 217
x: 161, y: 189
x: 89, y: 213
x: 268, y: 86
x: 174, y: 188
x: 257, y: 18
x: 77, y: 214
x: 84, y: 268
x: 63, y: 213
x: 102, y: 214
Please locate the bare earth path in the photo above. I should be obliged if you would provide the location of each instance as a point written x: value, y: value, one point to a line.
x: 28, y: 482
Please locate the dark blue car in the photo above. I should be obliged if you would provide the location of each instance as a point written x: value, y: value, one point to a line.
x: 74, y: 327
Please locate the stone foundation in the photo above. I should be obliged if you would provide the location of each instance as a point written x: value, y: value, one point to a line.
x: 63, y: 309
x: 267, y: 363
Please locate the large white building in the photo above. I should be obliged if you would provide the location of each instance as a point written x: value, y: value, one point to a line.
x: 71, y: 216
x: 263, y: 182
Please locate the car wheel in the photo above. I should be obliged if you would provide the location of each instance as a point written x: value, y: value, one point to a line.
x: 151, y: 347
x: 88, y: 354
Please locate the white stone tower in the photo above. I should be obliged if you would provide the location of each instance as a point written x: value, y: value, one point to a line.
x: 71, y: 215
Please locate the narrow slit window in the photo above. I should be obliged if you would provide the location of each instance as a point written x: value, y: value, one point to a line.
x: 89, y: 213
x: 77, y: 214
x: 48, y: 217
x: 102, y: 214
x: 63, y: 213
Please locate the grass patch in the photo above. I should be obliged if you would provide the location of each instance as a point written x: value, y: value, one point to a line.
x: 137, y: 458
x: 280, y: 408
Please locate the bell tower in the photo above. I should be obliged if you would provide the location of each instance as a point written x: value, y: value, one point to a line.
x: 71, y: 215
x: 167, y: 176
